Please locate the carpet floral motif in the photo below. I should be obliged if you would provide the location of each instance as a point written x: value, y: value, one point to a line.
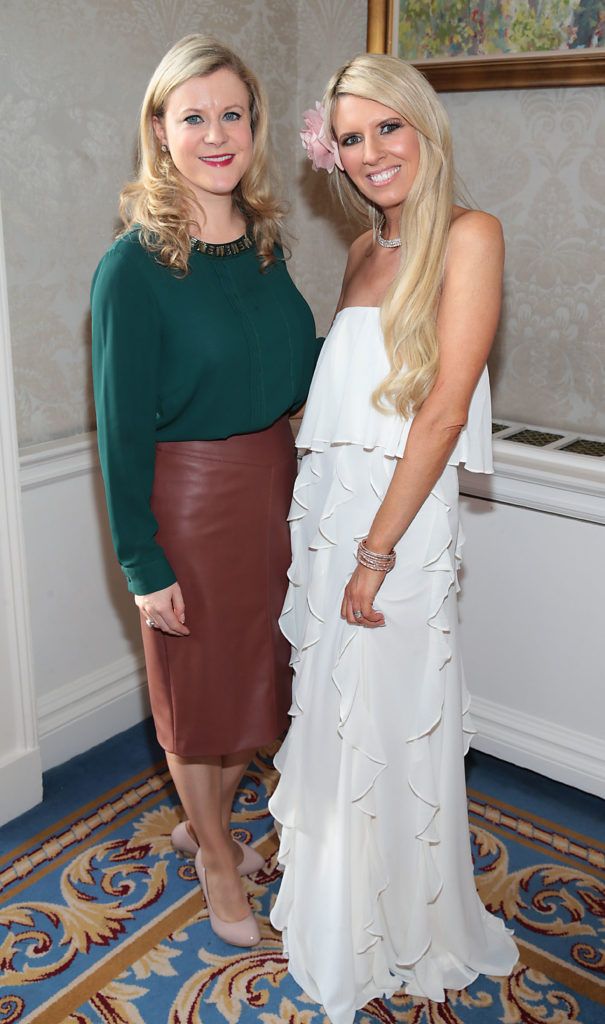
x: 115, y: 931
x: 548, y: 899
x: 101, y: 890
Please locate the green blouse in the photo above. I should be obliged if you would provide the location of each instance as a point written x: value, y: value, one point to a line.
x: 226, y: 349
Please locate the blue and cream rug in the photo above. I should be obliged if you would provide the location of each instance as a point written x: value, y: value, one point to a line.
x: 100, y: 922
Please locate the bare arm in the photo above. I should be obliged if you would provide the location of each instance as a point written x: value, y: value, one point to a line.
x: 466, y: 324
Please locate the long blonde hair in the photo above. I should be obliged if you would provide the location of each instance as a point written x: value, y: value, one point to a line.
x: 157, y: 201
x: 409, y: 308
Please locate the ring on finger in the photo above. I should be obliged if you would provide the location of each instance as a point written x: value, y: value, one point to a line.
x: 358, y: 614
x: 151, y: 623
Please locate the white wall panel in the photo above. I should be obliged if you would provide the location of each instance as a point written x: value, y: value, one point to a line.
x: 81, y: 610
x: 533, y: 593
x: 86, y: 642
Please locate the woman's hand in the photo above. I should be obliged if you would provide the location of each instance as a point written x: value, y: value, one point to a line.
x: 359, y: 596
x: 166, y: 609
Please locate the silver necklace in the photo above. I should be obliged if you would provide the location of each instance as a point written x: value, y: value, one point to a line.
x: 387, y: 243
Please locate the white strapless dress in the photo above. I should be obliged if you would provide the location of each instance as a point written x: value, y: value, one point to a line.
x: 378, y: 890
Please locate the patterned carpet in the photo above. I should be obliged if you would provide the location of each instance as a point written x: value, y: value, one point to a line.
x: 100, y: 922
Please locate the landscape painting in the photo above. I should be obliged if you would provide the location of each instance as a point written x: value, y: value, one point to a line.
x: 494, y: 44
x: 453, y: 28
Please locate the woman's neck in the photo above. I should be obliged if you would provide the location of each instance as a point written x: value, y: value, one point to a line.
x: 218, y: 220
x: 392, y: 222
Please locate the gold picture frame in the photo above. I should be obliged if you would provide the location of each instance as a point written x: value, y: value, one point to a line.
x: 507, y: 71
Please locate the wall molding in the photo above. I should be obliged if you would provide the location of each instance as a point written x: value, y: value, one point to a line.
x: 88, y: 710
x: 114, y: 697
x: 562, y: 483
x: 565, y: 755
x: 58, y: 460
x: 548, y: 480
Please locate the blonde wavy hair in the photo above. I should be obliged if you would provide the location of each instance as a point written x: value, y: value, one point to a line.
x: 409, y: 308
x: 157, y: 201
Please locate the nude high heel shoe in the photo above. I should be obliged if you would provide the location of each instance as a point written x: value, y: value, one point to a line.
x: 185, y: 845
x: 236, y: 933
x: 182, y: 840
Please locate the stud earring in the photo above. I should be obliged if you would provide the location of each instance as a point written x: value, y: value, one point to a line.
x: 164, y: 148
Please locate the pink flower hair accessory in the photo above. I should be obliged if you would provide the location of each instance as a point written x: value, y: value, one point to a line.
x: 322, y: 152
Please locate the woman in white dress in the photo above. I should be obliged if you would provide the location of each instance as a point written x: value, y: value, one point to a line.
x: 378, y: 890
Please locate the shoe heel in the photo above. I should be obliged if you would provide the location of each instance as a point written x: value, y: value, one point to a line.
x: 182, y: 843
x: 251, y: 862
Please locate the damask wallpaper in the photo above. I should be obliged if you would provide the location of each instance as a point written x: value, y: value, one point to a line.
x: 536, y: 158
x: 329, y: 33
x: 72, y: 77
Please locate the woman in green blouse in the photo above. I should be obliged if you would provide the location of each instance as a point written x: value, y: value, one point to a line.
x: 202, y: 346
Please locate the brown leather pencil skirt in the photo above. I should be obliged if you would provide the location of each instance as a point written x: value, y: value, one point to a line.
x: 222, y: 509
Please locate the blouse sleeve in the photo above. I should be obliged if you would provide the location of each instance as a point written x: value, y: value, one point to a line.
x: 126, y: 340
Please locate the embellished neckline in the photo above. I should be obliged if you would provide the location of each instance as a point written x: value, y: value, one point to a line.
x: 233, y: 248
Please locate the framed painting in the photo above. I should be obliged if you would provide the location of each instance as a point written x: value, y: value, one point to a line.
x: 493, y: 44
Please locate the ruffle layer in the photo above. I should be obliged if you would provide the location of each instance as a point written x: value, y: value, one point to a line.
x: 301, y: 622
x: 441, y: 560
x: 304, y: 621
x: 351, y: 364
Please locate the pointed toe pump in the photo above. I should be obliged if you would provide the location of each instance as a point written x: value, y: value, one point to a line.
x: 235, y: 933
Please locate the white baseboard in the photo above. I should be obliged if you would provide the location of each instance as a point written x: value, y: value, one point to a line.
x: 574, y: 758
x: 89, y: 710
x: 20, y: 784
x: 76, y: 716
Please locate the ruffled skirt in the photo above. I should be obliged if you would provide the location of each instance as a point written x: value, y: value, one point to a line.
x: 378, y: 890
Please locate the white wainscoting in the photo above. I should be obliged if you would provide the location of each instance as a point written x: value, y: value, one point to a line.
x: 531, y: 610
x: 546, y: 479
x: 531, y: 741
x: 86, y: 644
x: 79, y: 714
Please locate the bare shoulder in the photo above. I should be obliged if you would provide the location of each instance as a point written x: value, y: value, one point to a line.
x: 359, y: 249
x: 362, y: 242
x: 475, y: 231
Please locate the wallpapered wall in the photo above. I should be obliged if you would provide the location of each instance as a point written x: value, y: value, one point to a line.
x: 536, y: 158
x: 329, y: 33
x: 72, y: 76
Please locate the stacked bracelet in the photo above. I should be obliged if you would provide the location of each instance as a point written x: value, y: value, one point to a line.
x: 374, y: 560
